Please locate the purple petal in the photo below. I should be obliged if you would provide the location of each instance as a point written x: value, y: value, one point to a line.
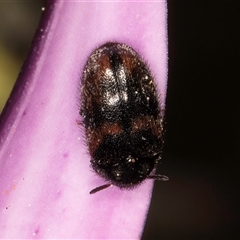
x: 45, y: 177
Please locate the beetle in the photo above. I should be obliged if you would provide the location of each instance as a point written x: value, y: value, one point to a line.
x: 121, y: 116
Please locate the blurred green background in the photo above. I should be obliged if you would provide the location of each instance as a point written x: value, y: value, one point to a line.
x: 202, y: 140
x: 18, y: 23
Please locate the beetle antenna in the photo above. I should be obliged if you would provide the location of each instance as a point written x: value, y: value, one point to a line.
x: 158, y: 177
x: 97, y: 189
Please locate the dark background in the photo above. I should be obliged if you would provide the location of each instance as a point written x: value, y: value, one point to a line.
x: 18, y: 23
x: 201, y: 152
x: 202, y: 141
